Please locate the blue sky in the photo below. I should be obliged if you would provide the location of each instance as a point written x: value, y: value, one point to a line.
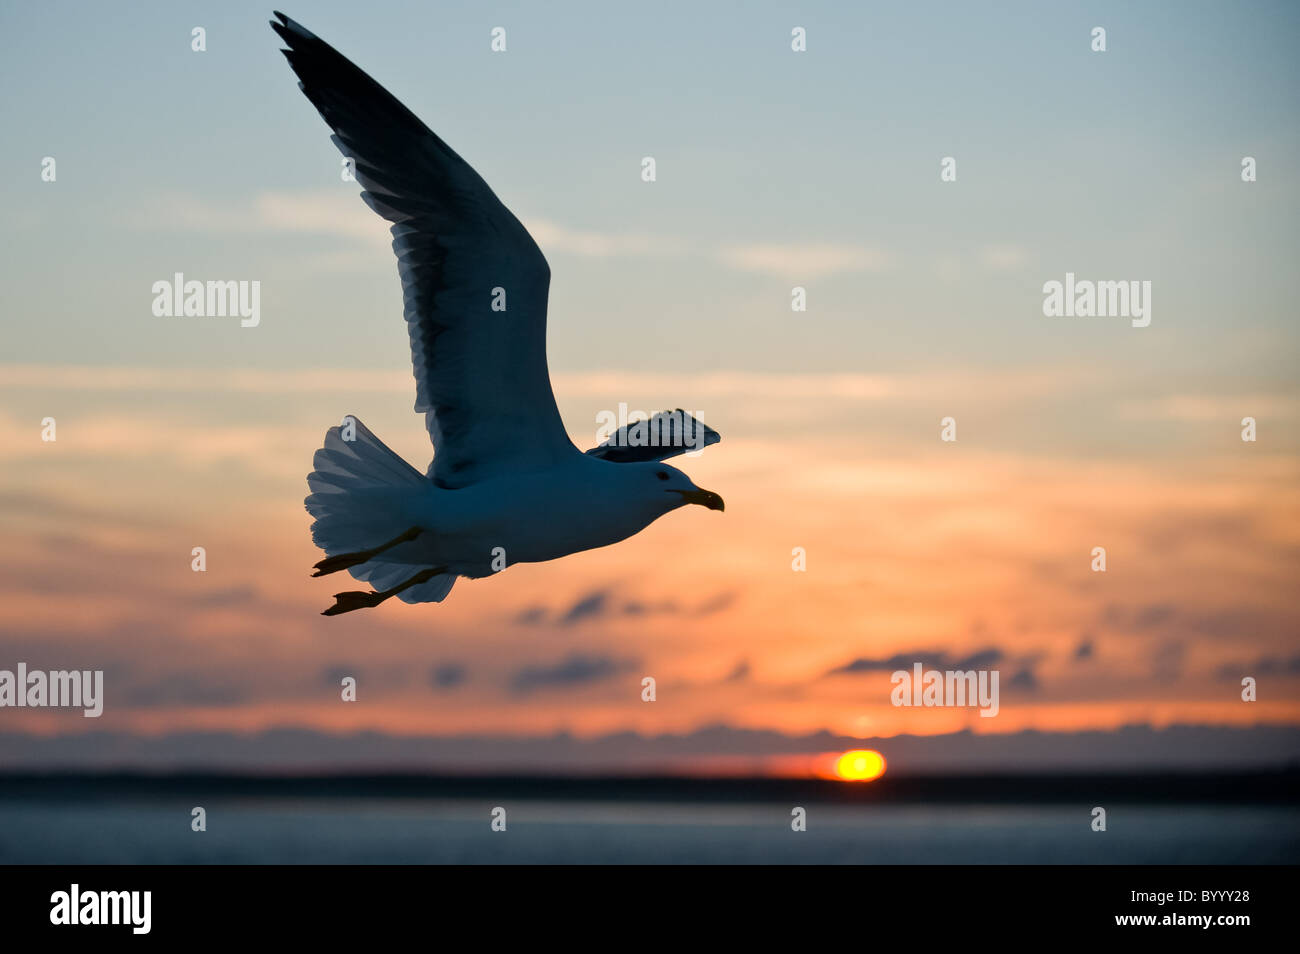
x: 1119, y: 165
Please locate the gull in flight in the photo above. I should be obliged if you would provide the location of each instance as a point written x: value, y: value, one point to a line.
x: 506, y: 484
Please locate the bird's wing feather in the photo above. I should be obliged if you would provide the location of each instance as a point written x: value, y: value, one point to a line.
x: 662, y: 436
x: 481, y: 377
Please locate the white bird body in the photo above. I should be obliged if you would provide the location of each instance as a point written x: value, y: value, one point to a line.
x: 506, y: 484
x: 477, y: 530
x: 584, y: 504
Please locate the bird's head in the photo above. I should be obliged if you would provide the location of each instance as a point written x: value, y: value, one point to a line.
x: 670, y: 488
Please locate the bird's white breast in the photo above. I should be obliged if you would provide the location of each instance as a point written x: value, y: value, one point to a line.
x: 530, y: 518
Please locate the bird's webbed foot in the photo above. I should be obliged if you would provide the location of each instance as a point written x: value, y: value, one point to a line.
x: 354, y: 600
x: 358, y: 599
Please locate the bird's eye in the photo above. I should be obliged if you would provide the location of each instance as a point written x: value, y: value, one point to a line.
x: 662, y: 475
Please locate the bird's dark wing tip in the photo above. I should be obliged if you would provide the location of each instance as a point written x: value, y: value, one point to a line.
x: 290, y: 29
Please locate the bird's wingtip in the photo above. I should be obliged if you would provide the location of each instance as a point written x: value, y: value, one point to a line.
x: 288, y: 27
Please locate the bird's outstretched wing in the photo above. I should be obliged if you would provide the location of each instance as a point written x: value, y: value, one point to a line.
x: 480, y: 372
x: 662, y: 436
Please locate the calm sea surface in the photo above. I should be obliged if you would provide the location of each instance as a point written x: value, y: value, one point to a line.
x: 421, y: 831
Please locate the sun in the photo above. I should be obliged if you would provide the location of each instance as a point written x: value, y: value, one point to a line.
x: 860, y: 765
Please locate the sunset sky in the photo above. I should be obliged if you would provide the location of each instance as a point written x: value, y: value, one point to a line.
x: 775, y: 170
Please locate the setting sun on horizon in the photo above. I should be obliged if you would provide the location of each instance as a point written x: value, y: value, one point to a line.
x: 860, y: 765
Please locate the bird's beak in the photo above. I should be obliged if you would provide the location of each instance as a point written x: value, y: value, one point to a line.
x: 705, y: 498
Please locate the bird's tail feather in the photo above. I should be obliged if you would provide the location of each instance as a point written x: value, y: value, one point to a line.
x: 358, y: 500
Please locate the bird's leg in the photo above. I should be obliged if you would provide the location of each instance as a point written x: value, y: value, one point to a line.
x: 356, y: 599
x: 344, y: 560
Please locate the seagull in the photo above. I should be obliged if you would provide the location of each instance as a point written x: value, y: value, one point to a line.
x: 506, y: 485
